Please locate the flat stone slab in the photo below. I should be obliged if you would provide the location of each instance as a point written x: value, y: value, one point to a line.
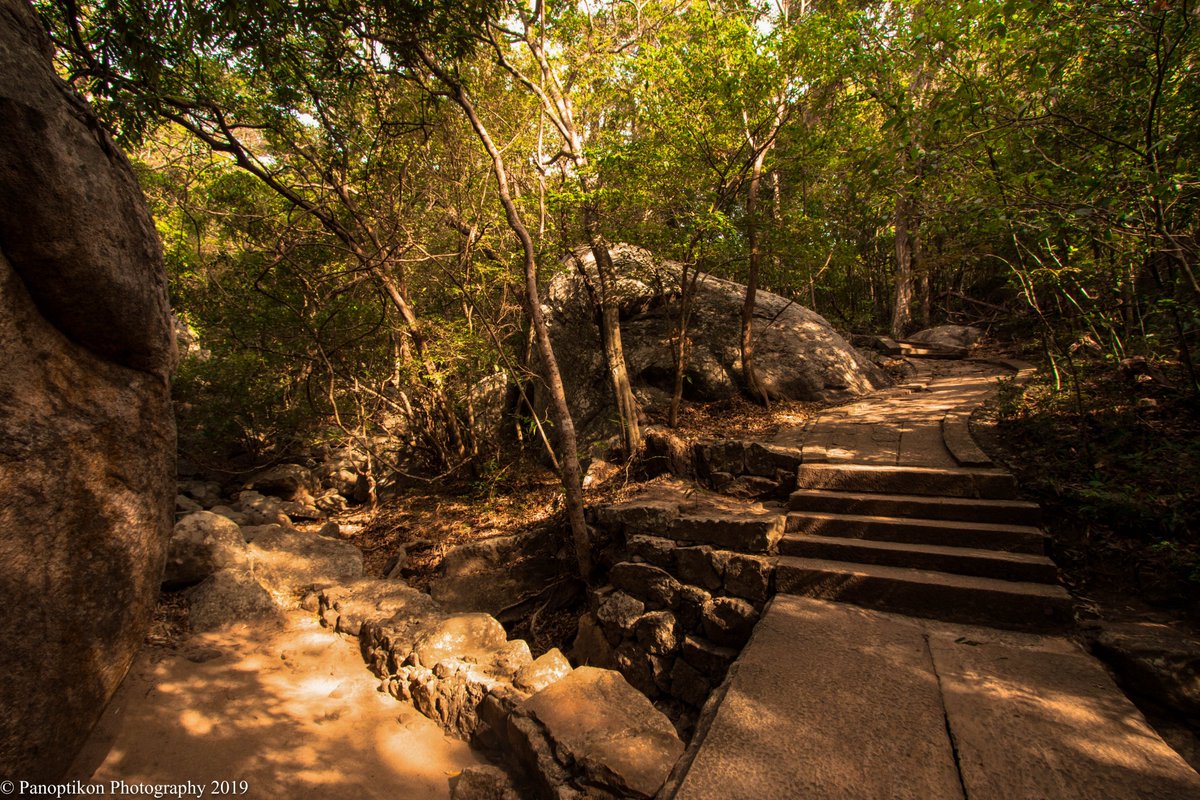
x: 832, y: 701
x: 1038, y: 717
x: 827, y: 701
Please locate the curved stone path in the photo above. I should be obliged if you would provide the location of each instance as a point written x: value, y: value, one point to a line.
x: 837, y: 696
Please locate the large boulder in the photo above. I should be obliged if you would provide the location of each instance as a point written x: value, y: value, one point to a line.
x: 798, y: 353
x: 960, y: 336
x: 87, y: 438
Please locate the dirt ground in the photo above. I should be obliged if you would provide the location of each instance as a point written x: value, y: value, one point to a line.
x: 291, y: 710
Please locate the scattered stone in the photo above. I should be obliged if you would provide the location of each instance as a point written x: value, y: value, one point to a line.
x: 766, y: 459
x: 651, y: 517
x: 545, y: 670
x: 227, y: 597
x: 617, y: 613
x: 331, y: 530
x: 331, y: 502
x: 634, y: 664
x: 657, y: 632
x: 599, y: 472
x: 688, y: 684
x: 750, y: 487
x: 728, y: 621
x: 345, y: 608
x: 225, y: 511
x: 483, y: 782
x: 664, y: 451
x: 647, y: 582
x: 709, y: 659
x: 206, y: 493
x: 262, y: 510
x: 285, y: 481
x: 599, y: 724
x: 753, y: 530
x: 591, y: 647
x: 201, y: 544
x: 691, y: 606
x: 186, y: 505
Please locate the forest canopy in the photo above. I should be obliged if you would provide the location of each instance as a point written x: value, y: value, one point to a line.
x: 358, y: 199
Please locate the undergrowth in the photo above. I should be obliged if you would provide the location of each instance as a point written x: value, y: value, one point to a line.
x: 1116, y: 467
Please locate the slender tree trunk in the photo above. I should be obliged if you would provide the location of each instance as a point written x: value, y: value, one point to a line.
x: 571, y: 472
x: 749, y: 374
x: 902, y: 310
x: 609, y: 321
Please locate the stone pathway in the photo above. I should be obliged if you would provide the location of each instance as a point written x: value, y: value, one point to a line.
x: 897, y: 510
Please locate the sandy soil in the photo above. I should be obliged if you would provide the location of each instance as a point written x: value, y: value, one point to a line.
x: 292, y: 710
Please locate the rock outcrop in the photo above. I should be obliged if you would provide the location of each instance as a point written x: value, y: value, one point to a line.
x: 87, y: 437
x: 570, y: 733
x: 798, y: 354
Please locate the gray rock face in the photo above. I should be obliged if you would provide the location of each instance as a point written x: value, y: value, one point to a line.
x: 948, y: 336
x: 201, y: 544
x: 87, y: 438
x: 285, y: 481
x: 799, y: 355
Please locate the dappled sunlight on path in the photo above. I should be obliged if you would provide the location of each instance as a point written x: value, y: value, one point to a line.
x: 290, y: 710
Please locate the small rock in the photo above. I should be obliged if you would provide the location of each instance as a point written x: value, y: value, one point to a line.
x: 646, y: 582
x: 225, y: 511
x: 284, y: 481
x: 634, y: 663
x: 186, y: 505
x: 657, y: 632
x: 483, y: 782
x: 201, y: 544
x: 691, y: 606
x: 226, y: 597
x: 616, y: 614
x: 548, y: 668
x: 599, y: 472
x: 728, y: 621
x: 709, y: 659
x: 688, y: 684
x: 591, y: 647
x: 331, y: 530
x: 290, y: 562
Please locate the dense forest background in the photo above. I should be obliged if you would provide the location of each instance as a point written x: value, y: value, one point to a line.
x: 358, y: 199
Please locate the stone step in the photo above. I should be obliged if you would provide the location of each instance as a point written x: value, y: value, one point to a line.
x: 961, y: 509
x: 958, y: 560
x: 947, y: 533
x: 924, y: 593
x: 926, y: 350
x: 749, y: 531
x: 993, y: 484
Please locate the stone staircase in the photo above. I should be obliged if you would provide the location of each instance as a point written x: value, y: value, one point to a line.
x: 952, y: 544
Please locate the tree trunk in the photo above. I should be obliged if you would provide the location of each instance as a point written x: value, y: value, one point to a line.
x: 609, y: 322
x: 902, y: 310
x: 570, y: 472
x: 749, y: 375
